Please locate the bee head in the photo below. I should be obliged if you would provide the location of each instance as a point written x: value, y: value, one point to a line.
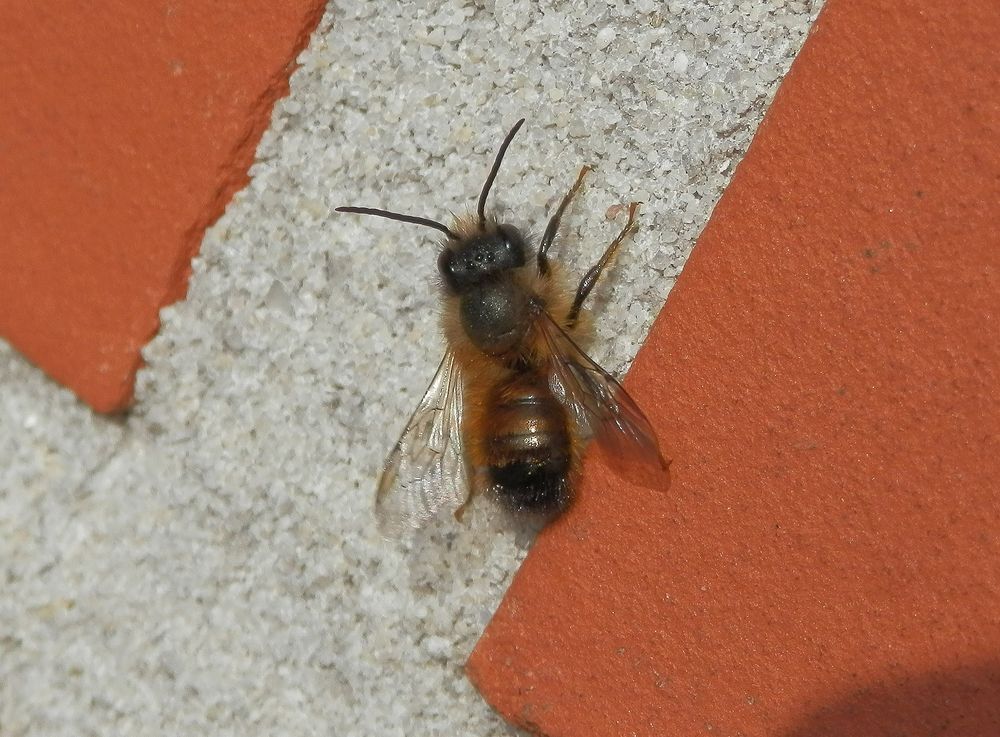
x: 471, y: 261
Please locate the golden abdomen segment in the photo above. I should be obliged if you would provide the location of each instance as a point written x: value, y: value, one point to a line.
x: 527, y: 444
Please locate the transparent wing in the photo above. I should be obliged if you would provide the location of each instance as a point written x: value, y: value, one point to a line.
x: 598, y: 404
x: 426, y: 471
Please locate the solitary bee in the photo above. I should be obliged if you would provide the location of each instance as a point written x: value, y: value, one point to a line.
x: 515, y: 399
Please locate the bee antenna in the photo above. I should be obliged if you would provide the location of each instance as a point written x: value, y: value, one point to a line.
x: 400, y: 217
x: 494, y: 170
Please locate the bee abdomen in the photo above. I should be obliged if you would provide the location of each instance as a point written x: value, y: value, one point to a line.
x: 528, y: 446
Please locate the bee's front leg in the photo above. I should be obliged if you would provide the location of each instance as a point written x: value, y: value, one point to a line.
x: 553, y: 226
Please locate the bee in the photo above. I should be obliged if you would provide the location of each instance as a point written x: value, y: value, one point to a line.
x: 515, y: 399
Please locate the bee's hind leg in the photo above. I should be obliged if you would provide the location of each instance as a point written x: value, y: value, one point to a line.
x: 553, y: 226
x: 477, y: 483
x: 590, y: 278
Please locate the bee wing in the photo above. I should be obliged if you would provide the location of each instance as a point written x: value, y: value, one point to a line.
x: 426, y: 471
x: 598, y: 403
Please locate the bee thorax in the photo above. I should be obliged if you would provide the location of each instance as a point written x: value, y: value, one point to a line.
x: 495, y: 316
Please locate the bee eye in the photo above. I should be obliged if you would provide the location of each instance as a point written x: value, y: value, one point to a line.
x: 446, y: 265
x: 513, y: 244
x: 458, y: 268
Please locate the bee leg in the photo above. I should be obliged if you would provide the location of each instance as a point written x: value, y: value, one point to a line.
x: 590, y: 278
x: 553, y: 226
x: 460, y: 512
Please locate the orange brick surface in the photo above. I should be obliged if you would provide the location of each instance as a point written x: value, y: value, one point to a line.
x: 125, y: 129
x: 826, y: 374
